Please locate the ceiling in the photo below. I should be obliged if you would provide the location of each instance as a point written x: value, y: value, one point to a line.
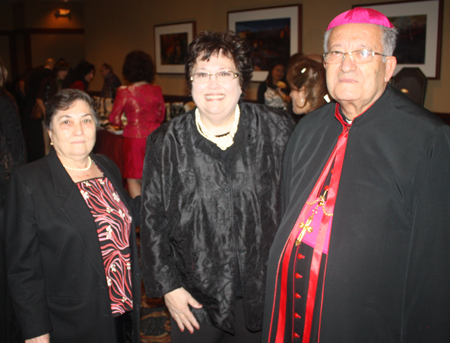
x: 17, y: 1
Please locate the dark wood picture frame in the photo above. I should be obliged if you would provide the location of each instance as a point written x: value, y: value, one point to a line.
x: 171, y: 43
x: 420, y: 33
x: 274, y: 33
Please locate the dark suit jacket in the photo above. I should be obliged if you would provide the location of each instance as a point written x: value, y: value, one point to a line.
x: 55, y: 268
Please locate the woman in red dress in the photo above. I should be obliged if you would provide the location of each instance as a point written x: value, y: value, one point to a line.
x: 143, y: 105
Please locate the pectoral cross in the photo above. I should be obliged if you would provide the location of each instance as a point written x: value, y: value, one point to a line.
x: 305, y: 227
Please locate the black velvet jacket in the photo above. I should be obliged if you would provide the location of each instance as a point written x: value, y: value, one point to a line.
x: 199, y: 213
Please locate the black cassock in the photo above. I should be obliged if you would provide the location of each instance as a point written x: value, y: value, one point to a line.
x: 386, y: 275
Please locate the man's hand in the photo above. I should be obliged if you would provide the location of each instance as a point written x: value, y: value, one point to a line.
x: 177, y: 301
x: 41, y: 339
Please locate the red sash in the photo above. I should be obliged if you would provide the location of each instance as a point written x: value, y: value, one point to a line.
x: 337, y: 156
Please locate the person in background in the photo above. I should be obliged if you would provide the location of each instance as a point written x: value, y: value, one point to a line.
x: 52, y: 84
x: 12, y: 155
x: 143, y: 104
x: 82, y: 76
x: 49, y: 87
x: 110, y: 82
x: 363, y: 251
x: 72, y: 262
x: 274, y: 91
x: 32, y: 119
x: 306, y: 78
x: 210, y: 201
x: 20, y: 90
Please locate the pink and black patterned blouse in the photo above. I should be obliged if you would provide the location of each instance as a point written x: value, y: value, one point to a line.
x: 113, y: 228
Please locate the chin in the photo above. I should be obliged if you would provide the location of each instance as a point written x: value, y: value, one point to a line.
x: 346, y: 96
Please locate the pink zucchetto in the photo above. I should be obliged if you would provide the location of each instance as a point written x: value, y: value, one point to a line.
x: 360, y: 15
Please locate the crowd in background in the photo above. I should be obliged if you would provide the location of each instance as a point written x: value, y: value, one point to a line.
x: 30, y: 115
x: 235, y: 201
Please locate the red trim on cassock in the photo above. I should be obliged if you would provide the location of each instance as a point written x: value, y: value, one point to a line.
x: 338, y: 154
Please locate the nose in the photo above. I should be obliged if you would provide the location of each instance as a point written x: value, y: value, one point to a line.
x: 213, y: 83
x: 78, y: 128
x: 347, y: 63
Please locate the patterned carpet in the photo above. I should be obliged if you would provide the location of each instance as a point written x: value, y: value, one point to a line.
x: 155, y: 321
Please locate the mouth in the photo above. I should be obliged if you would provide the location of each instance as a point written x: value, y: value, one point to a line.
x: 347, y: 80
x: 214, y: 96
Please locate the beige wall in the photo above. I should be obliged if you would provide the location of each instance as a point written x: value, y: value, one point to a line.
x: 67, y: 46
x: 41, y: 15
x: 115, y: 27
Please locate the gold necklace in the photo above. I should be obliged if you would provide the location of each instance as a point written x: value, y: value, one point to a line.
x: 80, y: 169
x: 225, y: 141
x: 306, y: 227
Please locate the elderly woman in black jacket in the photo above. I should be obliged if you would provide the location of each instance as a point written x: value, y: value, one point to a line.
x: 211, y: 200
x: 72, y: 262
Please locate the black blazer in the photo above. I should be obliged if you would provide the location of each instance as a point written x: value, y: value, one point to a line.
x: 55, y: 268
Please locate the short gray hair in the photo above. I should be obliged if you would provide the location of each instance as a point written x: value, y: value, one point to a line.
x: 389, y: 40
x: 63, y: 100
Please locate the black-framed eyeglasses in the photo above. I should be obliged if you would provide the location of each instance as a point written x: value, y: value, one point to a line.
x: 221, y: 76
x: 357, y: 56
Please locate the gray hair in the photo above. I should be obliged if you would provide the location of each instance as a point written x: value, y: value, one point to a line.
x: 389, y: 40
x: 63, y: 100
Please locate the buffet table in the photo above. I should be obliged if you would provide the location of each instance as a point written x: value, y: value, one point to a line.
x: 111, y: 145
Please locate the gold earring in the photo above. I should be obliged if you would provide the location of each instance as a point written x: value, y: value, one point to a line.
x: 51, y: 143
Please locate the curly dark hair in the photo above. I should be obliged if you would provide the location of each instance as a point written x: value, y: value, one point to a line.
x: 138, y: 66
x: 60, y: 65
x: 303, y: 71
x: 230, y: 45
x: 62, y: 101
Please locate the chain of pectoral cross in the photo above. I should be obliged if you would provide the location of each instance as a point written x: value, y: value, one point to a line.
x: 306, y: 226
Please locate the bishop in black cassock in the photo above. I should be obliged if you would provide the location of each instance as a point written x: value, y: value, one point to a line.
x: 363, y: 250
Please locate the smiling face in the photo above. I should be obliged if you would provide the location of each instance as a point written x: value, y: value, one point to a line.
x: 73, y: 132
x: 277, y: 73
x: 215, y: 100
x: 357, y: 86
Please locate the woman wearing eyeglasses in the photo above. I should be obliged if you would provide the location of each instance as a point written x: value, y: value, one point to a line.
x: 211, y: 199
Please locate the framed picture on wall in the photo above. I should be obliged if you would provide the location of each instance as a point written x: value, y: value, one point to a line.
x: 419, y: 40
x: 273, y: 33
x: 171, y: 43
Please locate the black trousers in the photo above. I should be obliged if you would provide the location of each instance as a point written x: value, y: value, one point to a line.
x: 210, y: 334
x: 123, y: 325
x: 9, y: 327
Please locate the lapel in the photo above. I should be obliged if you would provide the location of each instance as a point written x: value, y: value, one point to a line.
x: 74, y: 208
